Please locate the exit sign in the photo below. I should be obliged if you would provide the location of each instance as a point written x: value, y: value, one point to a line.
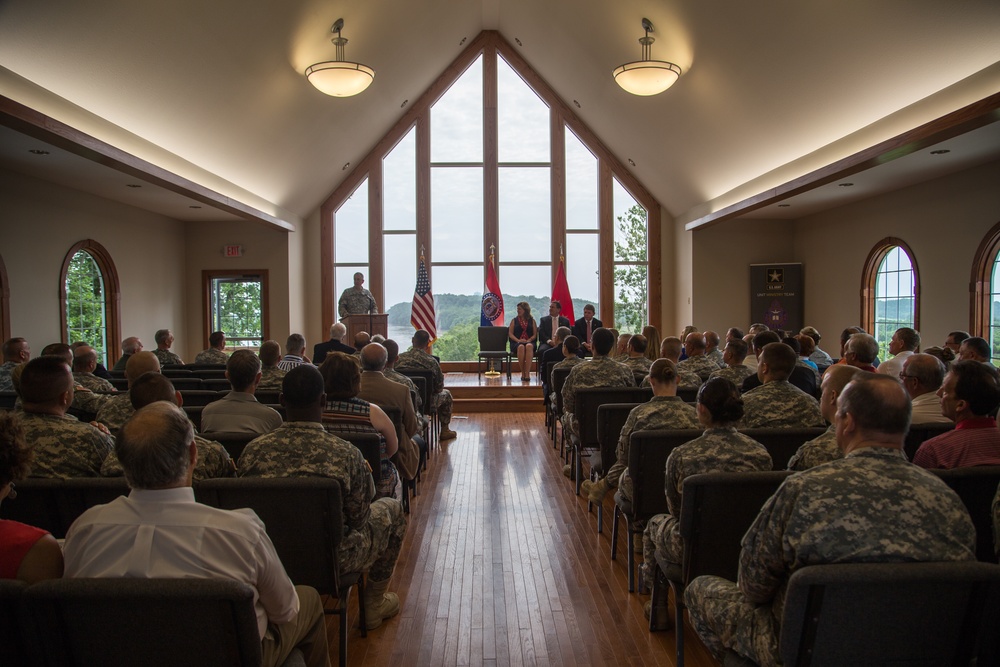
x: 233, y: 251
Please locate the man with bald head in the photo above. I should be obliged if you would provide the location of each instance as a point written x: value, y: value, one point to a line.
x: 870, y: 506
x: 130, y: 346
x: 116, y: 410
x: 922, y: 376
x: 695, y: 347
x: 712, y: 350
x: 824, y: 449
x: 777, y: 402
x: 84, y: 365
x: 361, y: 339
x: 376, y: 388
x: 64, y: 447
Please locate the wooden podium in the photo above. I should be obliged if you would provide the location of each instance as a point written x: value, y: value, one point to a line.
x: 373, y: 324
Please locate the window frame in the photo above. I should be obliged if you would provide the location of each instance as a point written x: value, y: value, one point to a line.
x: 112, y: 296
x: 870, y: 276
x: 208, y: 275
x: 981, y: 283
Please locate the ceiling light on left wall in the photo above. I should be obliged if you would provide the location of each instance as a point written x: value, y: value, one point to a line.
x: 339, y: 77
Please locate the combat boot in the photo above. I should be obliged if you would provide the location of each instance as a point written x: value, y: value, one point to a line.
x: 379, y: 604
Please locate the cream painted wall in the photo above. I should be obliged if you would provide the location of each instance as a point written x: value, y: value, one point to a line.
x: 263, y: 248
x: 942, y: 221
x: 314, y: 329
x: 42, y: 221
x: 722, y: 257
x: 681, y: 259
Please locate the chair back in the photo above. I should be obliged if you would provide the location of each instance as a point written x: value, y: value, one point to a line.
x: 268, y: 396
x: 194, y: 414
x: 610, y: 420
x: 915, y: 614
x: 173, y: 372
x: 208, y: 372
x: 920, y: 432
x: 188, y: 383
x: 492, y: 339
x: 233, y: 441
x: 303, y: 516
x: 647, y: 463
x: 589, y: 399
x: 716, y: 511
x: 782, y: 443
x: 428, y: 377
x: 370, y: 445
x: 54, y: 504
x: 199, y: 397
x: 688, y: 394
x: 11, y: 635
x: 153, y: 622
x: 8, y: 399
x: 558, y: 379
x: 976, y: 487
x: 216, y: 384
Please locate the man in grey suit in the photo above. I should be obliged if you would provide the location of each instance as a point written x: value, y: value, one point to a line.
x: 376, y: 388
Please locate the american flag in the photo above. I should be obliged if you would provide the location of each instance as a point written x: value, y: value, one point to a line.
x: 422, y: 314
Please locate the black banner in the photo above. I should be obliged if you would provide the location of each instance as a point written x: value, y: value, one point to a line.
x: 776, y: 296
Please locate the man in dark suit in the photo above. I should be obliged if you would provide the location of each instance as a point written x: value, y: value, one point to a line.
x: 551, y: 357
x: 546, y: 329
x: 335, y: 344
x: 585, y: 328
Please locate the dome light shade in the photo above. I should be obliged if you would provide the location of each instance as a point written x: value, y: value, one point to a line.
x: 339, y: 77
x: 647, y: 76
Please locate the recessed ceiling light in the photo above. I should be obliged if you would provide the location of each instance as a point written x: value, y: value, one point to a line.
x: 577, y: 104
x: 463, y: 41
x: 845, y: 185
x: 405, y: 102
x: 346, y: 165
x: 518, y: 41
x: 38, y: 151
x: 784, y: 205
x: 940, y: 151
x: 132, y: 185
x: 631, y: 162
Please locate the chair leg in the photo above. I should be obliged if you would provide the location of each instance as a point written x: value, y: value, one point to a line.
x: 362, y: 620
x: 600, y: 518
x: 614, y: 533
x: 631, y: 556
x: 678, y: 590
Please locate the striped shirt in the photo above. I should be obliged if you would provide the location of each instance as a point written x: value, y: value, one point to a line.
x: 973, y: 442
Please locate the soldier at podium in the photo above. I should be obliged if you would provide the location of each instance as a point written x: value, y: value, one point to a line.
x: 357, y: 300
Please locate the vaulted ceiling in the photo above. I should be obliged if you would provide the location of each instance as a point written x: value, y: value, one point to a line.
x: 214, y: 91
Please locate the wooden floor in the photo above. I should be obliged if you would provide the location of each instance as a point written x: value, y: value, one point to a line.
x: 502, y: 565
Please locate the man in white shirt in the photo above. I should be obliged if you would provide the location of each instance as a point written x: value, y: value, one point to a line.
x: 922, y: 376
x: 159, y: 530
x: 904, y: 344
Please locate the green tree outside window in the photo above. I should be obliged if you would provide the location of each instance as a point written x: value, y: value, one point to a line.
x: 86, y: 315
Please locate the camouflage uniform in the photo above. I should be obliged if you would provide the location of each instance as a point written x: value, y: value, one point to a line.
x: 420, y: 360
x: 6, y: 384
x: 871, y: 506
x: 92, y: 382
x: 418, y: 399
x: 780, y: 404
x: 598, y: 372
x: 87, y: 401
x: 721, y: 449
x: 565, y: 363
x: 115, y: 411
x: 373, y: 531
x: 356, y: 302
x: 270, y: 378
x: 700, y: 365
x: 685, y: 380
x: 715, y: 356
x: 661, y: 412
x: 213, y: 461
x: 167, y: 358
x: 821, y: 449
x: 353, y: 415
x: 211, y: 356
x: 64, y: 446
x: 735, y: 374
x: 637, y: 363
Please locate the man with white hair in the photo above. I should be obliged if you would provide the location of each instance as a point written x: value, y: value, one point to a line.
x: 335, y: 344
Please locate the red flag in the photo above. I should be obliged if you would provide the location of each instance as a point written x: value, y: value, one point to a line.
x: 492, y: 310
x: 422, y: 313
x: 560, y: 293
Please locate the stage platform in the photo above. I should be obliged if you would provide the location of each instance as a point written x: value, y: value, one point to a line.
x: 473, y: 393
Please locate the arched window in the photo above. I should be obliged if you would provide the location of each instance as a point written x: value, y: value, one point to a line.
x: 986, y: 291
x: 90, y: 300
x: 890, y: 292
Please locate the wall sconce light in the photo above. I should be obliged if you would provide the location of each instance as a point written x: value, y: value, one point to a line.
x: 646, y: 76
x: 340, y: 78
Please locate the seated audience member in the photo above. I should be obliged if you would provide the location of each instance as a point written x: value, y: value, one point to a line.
x: 777, y: 402
x: 584, y: 329
x: 335, y: 344
x: 870, y: 506
x: 944, y: 354
x: 922, y: 376
x: 635, y: 356
x: 551, y: 357
x: 751, y: 361
x: 803, y: 378
x: 213, y: 459
x: 361, y: 339
x: 301, y: 447
x: 61, y: 350
x: 238, y: 411
x: 653, y: 342
x: 382, y: 392
x: 806, y: 347
x: 571, y: 357
x: 620, y: 352
x: 904, y: 344
x: 721, y: 449
x: 84, y: 365
x: 974, y: 349
x: 734, y: 333
x: 823, y: 448
x: 818, y: 356
x: 63, y: 446
x: 391, y: 356
x: 969, y: 395
x: 270, y: 374
x: 954, y: 340
x: 15, y: 351
x: 295, y: 349
x: 26, y: 553
x: 845, y: 336
x: 164, y: 340
x: 99, y: 369
x: 671, y: 348
x: 733, y: 356
x: 800, y: 362
x: 547, y: 327
x: 601, y: 371
x: 215, y: 354
x: 757, y: 328
x: 378, y: 338
x: 115, y: 410
x: 418, y: 357
x: 696, y: 361
x: 159, y: 530
x: 346, y: 412
x: 861, y: 350
x: 712, y: 350
x: 666, y: 410
x: 130, y: 346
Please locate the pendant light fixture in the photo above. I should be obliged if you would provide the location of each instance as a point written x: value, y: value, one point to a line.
x: 646, y: 76
x: 340, y: 78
